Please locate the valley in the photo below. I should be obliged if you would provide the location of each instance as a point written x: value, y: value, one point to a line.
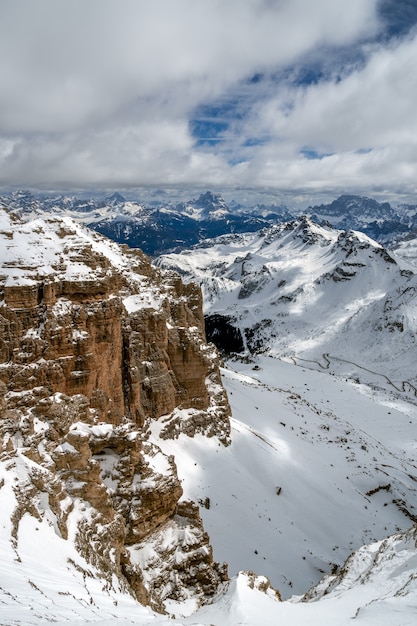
x: 291, y: 498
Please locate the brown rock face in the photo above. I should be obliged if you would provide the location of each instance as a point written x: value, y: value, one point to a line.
x: 187, y: 559
x: 70, y: 347
x: 130, y: 340
x: 94, y: 344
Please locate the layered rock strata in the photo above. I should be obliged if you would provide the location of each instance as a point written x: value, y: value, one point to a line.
x: 95, y: 343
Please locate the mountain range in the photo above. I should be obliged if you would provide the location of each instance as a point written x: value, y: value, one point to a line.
x: 159, y: 227
x: 378, y: 220
x: 309, y: 293
x: 152, y: 228
x: 138, y: 477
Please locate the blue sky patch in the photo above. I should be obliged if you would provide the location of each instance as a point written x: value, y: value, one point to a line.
x: 313, y: 154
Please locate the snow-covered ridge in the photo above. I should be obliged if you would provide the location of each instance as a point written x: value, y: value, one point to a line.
x: 153, y: 227
x: 312, y: 294
x: 53, y: 247
x: 160, y: 225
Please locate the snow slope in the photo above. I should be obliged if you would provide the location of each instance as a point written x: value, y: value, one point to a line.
x: 319, y: 465
x: 344, y: 457
x: 407, y: 251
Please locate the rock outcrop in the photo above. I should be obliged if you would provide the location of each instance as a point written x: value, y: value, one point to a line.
x: 95, y: 344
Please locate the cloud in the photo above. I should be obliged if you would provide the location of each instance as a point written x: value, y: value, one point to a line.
x: 372, y: 107
x: 360, y: 131
x: 65, y: 64
x: 206, y: 93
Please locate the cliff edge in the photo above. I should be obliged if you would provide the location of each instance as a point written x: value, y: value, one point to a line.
x: 95, y: 344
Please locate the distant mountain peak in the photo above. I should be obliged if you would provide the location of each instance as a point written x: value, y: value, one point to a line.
x: 211, y: 202
x: 115, y: 198
x: 352, y: 205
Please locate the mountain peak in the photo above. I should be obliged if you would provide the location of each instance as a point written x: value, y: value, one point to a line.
x: 211, y: 203
x: 350, y: 205
x: 115, y: 198
x: 309, y: 231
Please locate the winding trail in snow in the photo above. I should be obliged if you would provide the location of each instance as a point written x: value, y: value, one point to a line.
x: 326, y: 356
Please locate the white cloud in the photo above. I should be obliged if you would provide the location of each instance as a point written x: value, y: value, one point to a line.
x: 63, y: 63
x: 363, y: 127
x: 372, y: 107
x: 102, y: 92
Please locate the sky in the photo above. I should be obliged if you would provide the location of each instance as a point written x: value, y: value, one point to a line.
x: 286, y: 98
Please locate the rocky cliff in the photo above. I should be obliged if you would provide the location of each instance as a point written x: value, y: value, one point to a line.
x: 95, y: 345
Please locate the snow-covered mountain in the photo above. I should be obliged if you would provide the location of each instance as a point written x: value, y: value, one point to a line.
x: 111, y: 409
x: 160, y: 226
x: 207, y: 205
x: 153, y: 228
x: 343, y: 309
x: 334, y: 300
x: 378, y: 220
x: 353, y: 207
